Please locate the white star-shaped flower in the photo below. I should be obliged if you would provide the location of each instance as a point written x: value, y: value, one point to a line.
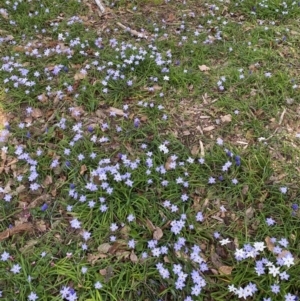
x: 224, y: 241
x: 274, y: 270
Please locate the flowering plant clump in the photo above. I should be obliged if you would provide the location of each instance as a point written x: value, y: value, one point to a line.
x: 270, y: 261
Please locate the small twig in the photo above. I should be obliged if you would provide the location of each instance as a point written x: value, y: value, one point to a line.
x: 132, y: 31
x: 101, y: 6
x: 282, y: 116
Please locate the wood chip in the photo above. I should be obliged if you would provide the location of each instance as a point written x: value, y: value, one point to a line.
x: 208, y: 128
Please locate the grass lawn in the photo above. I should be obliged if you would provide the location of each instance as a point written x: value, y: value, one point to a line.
x: 149, y: 151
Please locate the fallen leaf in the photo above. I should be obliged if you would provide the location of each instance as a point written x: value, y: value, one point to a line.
x: 118, y: 247
x: 156, y: 87
x: 80, y: 75
x: 77, y: 112
x: 166, y: 259
x: 208, y: 128
x: 48, y: 180
x: 26, y: 227
x: 4, y: 13
x: 195, y: 150
x: 20, y: 189
x: 171, y: 18
x: 269, y: 244
x: 125, y: 231
x: 109, y: 273
x: 203, y: 68
x: 83, y: 169
x: 36, y: 113
x: 168, y: 163
x: 29, y: 246
x: 39, y: 200
x: 245, y: 189
x: 133, y: 257
x: 42, y: 98
x: 122, y: 254
x: 104, y: 248
x: 41, y: 226
x: 226, y: 118
x: 249, y: 213
x: 158, y: 233
x: 118, y: 112
x: 293, y: 32
x: 93, y: 258
x: 150, y: 225
x: 225, y: 270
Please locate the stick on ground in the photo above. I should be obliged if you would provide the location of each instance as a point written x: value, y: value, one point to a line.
x: 101, y: 6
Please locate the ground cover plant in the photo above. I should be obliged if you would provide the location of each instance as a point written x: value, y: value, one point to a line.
x: 149, y: 151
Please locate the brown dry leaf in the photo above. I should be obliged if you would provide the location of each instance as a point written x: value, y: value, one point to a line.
x: 41, y: 226
x: 102, y: 272
x: 133, y: 257
x: 253, y: 68
x: 20, y: 189
x: 203, y: 68
x: 125, y: 231
x: 118, y: 247
x: 150, y: 225
x: 80, y: 75
x: 282, y: 254
x: 171, y: 18
x: 215, y: 259
x: 77, y: 112
x: 144, y: 118
x: 293, y: 32
x: 122, y: 254
x: 53, y: 192
x: 83, y: 169
x: 182, y: 255
x: 9, y: 37
x: 39, y: 200
x: 104, y: 248
x: 36, y: 113
x: 226, y: 118
x: 245, y: 189
x: 28, y: 120
x: 29, y: 246
x: 208, y: 128
x: 158, y: 233
x: 118, y: 112
x: 195, y: 150
x: 166, y: 259
x: 156, y: 87
x: 48, y: 180
x: 167, y: 164
x: 42, y: 98
x: 4, y: 13
x: 249, y: 213
x: 225, y: 270
x: 92, y: 258
x: 269, y: 244
x: 26, y: 227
